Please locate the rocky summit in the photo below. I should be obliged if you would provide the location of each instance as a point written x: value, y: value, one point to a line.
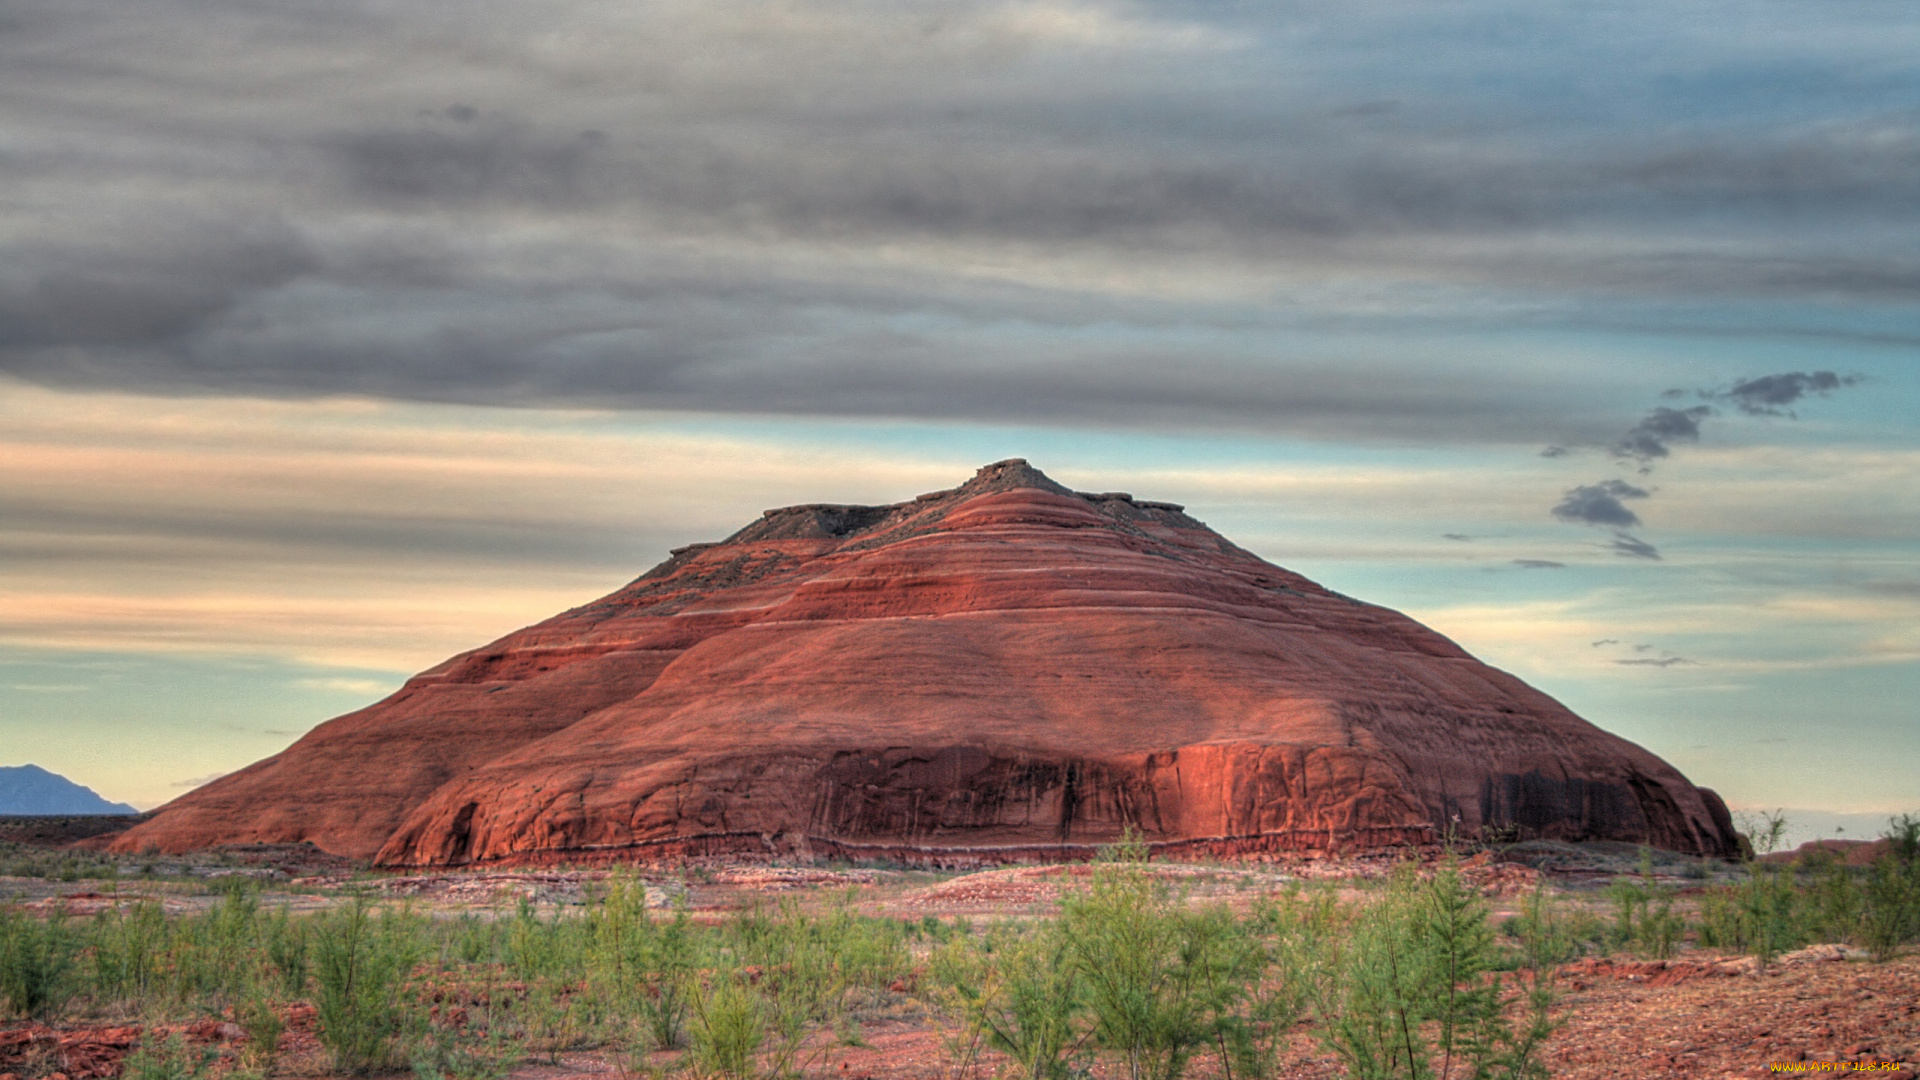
x: 1008, y: 670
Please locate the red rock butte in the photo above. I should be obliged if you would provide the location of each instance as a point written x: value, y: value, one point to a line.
x: 1005, y: 671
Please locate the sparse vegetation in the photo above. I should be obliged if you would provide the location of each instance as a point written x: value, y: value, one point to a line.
x: 37, y: 964
x: 168, y: 1059
x: 1130, y: 977
x: 362, y: 964
x: 1409, y: 988
x: 1018, y: 993
x: 1781, y: 906
x: 1889, y: 906
x: 1400, y: 986
x: 1644, y: 920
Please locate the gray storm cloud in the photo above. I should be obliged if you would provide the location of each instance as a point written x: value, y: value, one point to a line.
x: 1774, y: 395
x: 1632, y: 547
x: 1080, y: 211
x: 1653, y: 435
x: 1600, y: 504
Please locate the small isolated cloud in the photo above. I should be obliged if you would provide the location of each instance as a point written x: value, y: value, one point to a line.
x: 196, y: 781
x: 1659, y: 662
x: 1771, y: 395
x: 1539, y: 564
x: 1555, y: 451
x: 344, y: 686
x: 1606, y: 641
x: 1455, y: 536
x: 1650, y: 438
x: 1633, y: 547
x: 1599, y: 504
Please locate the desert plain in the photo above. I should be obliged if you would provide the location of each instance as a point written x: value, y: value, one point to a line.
x: 1698, y: 1012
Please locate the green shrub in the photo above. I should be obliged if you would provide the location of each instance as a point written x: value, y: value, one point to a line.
x: 1629, y: 901
x: 1374, y: 1000
x: 1835, y: 904
x: 1460, y: 944
x: 230, y: 939
x: 550, y: 948
x: 286, y: 949
x: 1658, y: 929
x: 361, y: 964
x: 549, y: 1024
x: 810, y: 964
x: 1768, y: 903
x: 474, y: 941
x: 1289, y: 933
x: 212, y: 959
x: 1410, y: 991
x: 263, y: 1026
x: 1762, y: 831
x: 443, y: 1054
x: 667, y: 971
x: 637, y: 967
x: 172, y: 1059
x: 618, y: 933
x: 1159, y: 980
x: 1546, y: 938
x: 1890, y: 904
x: 799, y: 971
x: 1760, y: 915
x: 1020, y: 994
x: 38, y: 964
x: 730, y: 1023
x: 930, y: 928
x: 128, y: 947
x: 1546, y: 943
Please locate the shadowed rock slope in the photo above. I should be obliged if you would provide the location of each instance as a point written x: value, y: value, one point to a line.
x: 1006, y: 670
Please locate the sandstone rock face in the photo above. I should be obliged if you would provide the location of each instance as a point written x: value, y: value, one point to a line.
x: 1007, y: 670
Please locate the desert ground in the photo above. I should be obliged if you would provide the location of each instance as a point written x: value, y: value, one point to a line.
x: 1700, y: 1013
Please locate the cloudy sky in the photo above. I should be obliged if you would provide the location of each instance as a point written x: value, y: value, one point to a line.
x: 336, y: 337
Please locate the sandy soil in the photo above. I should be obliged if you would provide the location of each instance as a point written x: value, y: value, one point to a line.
x: 1701, y: 1015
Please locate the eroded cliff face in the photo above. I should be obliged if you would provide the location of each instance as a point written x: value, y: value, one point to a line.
x: 1006, y: 670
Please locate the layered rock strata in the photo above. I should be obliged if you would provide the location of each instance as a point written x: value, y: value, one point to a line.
x: 1006, y: 670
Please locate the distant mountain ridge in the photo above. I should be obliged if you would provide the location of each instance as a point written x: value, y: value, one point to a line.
x: 29, y: 790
